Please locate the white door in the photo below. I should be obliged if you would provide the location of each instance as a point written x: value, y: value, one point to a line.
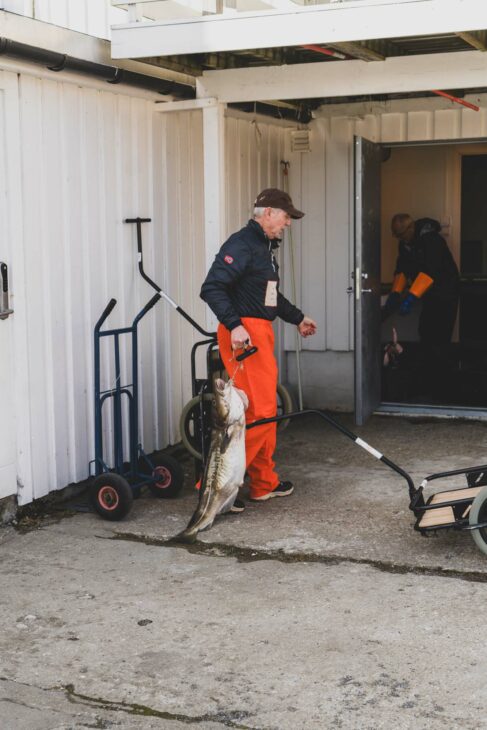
x: 368, y: 158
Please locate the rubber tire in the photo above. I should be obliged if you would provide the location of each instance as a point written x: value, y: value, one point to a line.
x: 172, y: 476
x: 478, y: 513
x: 118, y: 486
x: 185, y: 420
x: 285, y: 404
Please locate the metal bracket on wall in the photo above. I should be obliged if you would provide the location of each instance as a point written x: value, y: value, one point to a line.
x: 4, y: 308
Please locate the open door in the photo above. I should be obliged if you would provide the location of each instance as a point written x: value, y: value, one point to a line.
x: 368, y: 158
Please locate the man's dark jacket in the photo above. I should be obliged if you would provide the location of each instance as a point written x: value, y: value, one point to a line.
x: 238, y: 281
x: 428, y: 252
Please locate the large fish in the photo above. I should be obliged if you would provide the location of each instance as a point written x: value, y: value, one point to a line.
x: 225, y: 467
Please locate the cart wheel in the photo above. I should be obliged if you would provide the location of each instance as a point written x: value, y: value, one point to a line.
x: 189, y: 417
x: 284, y: 405
x: 478, y: 513
x: 167, y: 473
x: 111, y: 496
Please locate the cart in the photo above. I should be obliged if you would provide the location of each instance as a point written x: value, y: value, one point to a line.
x: 463, y: 508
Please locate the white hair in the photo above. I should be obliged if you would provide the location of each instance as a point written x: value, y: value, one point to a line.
x: 259, y: 212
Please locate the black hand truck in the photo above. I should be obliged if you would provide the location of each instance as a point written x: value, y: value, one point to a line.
x: 113, y: 489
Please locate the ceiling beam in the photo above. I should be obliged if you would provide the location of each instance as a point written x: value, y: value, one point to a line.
x: 472, y: 40
x: 331, y: 23
x: 358, y: 51
x: 400, y: 74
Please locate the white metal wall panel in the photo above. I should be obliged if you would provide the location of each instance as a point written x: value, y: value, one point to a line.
x: 93, y: 17
x: 253, y: 153
x: 179, y: 255
x: 339, y: 232
x: 90, y: 159
x: 419, y: 125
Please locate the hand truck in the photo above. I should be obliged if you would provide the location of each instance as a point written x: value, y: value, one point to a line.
x: 113, y: 489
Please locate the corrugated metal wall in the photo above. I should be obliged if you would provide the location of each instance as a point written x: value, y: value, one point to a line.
x: 93, y: 17
x: 89, y: 159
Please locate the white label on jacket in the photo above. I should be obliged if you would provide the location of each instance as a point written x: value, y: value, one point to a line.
x: 271, y: 294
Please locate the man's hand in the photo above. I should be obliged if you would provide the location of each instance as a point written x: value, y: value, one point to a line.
x: 307, y: 327
x: 240, y: 338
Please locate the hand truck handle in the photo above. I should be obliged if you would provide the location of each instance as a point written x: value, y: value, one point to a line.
x: 105, y: 314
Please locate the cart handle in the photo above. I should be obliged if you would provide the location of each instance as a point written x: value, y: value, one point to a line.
x: 138, y: 222
x: 331, y: 421
x: 455, y: 472
x: 111, y: 304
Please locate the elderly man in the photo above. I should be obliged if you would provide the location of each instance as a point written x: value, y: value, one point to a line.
x: 242, y: 289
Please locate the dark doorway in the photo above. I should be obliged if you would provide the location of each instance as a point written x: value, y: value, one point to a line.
x: 459, y: 377
x: 472, y: 376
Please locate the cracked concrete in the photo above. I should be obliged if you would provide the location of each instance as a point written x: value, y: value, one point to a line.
x: 323, y: 610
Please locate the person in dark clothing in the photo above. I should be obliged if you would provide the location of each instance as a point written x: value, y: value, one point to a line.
x: 426, y: 264
x: 242, y: 289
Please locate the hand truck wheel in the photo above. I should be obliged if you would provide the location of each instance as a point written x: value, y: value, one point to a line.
x: 478, y: 513
x: 191, y: 414
x: 188, y: 423
x: 285, y: 405
x: 166, y: 472
x: 111, y: 496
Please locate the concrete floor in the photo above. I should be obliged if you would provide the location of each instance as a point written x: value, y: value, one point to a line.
x: 322, y: 610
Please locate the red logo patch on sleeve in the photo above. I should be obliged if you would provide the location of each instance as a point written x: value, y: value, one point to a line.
x: 229, y: 259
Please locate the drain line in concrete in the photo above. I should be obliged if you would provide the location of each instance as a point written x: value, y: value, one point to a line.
x: 251, y: 555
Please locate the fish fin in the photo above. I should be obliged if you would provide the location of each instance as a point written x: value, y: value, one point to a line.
x: 183, y: 538
x: 227, y: 437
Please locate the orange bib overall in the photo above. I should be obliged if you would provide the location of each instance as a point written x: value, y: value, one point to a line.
x: 258, y: 378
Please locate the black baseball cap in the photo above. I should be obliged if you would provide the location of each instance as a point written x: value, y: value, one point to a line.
x: 275, y: 198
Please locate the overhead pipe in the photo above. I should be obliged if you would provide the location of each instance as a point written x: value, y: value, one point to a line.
x: 324, y: 51
x: 111, y: 74
x: 456, y: 99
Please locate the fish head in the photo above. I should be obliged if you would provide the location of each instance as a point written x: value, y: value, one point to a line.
x: 230, y: 402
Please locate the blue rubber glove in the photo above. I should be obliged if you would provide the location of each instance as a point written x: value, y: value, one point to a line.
x: 392, y: 303
x: 407, y: 304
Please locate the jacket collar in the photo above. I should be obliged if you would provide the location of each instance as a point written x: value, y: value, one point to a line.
x: 257, y: 228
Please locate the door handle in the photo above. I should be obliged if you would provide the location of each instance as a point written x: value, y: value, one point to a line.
x: 4, y: 308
